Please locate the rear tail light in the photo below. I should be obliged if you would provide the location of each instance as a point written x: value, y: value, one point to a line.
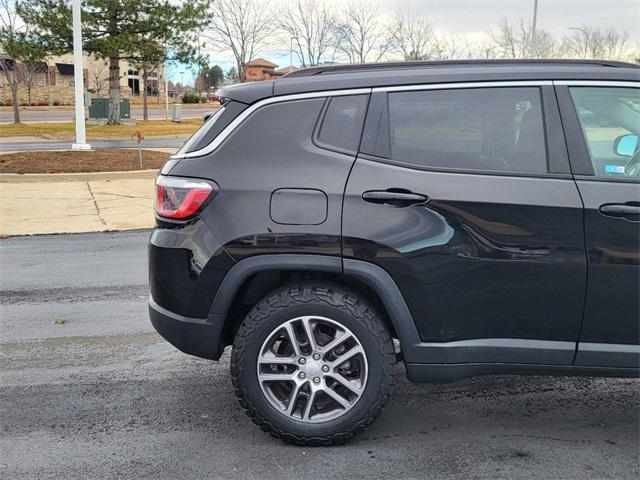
x: 181, y: 198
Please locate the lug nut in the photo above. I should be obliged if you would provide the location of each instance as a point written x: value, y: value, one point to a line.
x: 302, y: 361
x: 325, y: 368
x: 302, y: 375
x: 316, y: 379
x: 316, y: 356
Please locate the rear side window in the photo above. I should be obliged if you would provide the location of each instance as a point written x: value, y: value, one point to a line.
x: 342, y: 122
x: 489, y: 129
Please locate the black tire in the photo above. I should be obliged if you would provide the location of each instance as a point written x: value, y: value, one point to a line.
x: 341, y: 305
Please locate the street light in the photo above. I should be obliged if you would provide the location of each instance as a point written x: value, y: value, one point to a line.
x: 584, y: 40
x: 78, y: 80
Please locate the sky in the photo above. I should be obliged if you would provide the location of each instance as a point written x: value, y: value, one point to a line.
x: 475, y: 18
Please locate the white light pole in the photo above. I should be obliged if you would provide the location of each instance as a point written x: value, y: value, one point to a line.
x: 78, y: 80
x: 166, y: 93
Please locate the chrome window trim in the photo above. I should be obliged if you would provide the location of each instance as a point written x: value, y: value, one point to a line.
x: 597, y: 83
x: 608, y: 347
x: 447, y: 86
x: 267, y: 101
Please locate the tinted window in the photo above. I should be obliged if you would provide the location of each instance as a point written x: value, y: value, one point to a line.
x: 610, y: 121
x: 342, y: 123
x: 212, y: 127
x: 498, y: 129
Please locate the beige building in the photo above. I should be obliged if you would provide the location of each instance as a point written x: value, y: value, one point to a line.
x: 53, y: 81
x: 260, y: 69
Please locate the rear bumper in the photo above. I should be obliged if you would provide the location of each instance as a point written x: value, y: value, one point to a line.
x: 201, y: 337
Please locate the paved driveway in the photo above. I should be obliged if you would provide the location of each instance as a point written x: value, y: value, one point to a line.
x: 89, y: 390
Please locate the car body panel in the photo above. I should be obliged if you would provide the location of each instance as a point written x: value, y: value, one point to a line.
x: 487, y: 257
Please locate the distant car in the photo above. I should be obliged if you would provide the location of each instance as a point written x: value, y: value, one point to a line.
x: 461, y: 218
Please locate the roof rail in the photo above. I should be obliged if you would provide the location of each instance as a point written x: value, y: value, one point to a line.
x: 347, y: 68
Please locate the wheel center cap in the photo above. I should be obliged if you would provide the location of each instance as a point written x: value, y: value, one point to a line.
x: 313, y: 368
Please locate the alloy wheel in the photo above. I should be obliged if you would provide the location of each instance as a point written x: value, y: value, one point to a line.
x: 312, y: 369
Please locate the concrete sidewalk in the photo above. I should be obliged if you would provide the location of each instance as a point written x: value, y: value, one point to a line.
x: 72, y: 203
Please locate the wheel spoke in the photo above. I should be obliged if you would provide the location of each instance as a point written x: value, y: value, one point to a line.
x: 275, y: 360
x: 346, y: 383
x: 292, y: 338
x: 294, y: 398
x: 307, y: 409
x: 339, y: 338
x: 275, y: 377
x: 308, y: 330
x: 348, y: 355
x: 337, y: 397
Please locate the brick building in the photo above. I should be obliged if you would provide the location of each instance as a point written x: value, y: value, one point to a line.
x: 261, y: 69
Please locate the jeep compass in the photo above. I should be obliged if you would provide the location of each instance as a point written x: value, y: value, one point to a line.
x: 464, y: 218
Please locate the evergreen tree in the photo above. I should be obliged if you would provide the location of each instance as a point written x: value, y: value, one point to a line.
x: 143, y: 32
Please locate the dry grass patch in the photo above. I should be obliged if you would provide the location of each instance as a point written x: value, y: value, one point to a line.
x: 66, y: 130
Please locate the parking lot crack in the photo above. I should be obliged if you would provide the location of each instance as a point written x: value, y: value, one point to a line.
x: 97, y: 208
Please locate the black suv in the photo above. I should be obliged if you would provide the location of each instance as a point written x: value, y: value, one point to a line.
x: 467, y: 218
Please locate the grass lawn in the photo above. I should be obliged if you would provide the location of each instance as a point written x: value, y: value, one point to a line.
x: 65, y: 130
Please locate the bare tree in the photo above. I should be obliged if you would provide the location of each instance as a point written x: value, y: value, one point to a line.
x: 412, y: 36
x: 10, y: 38
x: 521, y: 41
x: 310, y: 27
x: 451, y: 47
x: 483, y: 50
x: 243, y: 26
x: 30, y: 74
x: 98, y: 75
x: 593, y: 42
x: 358, y: 33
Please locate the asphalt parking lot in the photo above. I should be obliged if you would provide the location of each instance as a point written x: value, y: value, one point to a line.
x: 89, y: 390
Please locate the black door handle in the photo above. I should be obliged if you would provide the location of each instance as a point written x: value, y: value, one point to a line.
x: 628, y: 211
x: 393, y: 197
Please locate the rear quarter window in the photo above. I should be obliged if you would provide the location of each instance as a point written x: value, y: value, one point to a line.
x: 212, y: 127
x: 342, y: 122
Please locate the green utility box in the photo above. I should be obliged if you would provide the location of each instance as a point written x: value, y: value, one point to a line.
x: 100, y: 108
x: 125, y: 109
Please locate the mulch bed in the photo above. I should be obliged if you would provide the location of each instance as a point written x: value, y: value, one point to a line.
x: 113, y: 160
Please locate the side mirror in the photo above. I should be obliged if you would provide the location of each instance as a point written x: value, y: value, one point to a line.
x: 207, y: 116
x: 626, y: 145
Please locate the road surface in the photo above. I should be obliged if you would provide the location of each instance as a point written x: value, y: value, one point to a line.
x: 89, y: 390
x: 44, y: 114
